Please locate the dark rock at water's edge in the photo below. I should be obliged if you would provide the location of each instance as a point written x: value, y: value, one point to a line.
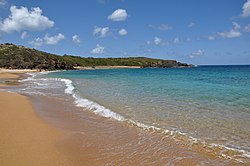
x: 20, y: 57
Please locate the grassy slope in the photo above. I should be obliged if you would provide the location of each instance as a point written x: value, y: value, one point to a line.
x: 12, y: 56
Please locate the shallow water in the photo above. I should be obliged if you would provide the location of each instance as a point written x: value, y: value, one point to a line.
x: 209, y: 104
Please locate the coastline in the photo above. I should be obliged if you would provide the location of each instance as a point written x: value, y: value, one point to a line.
x: 90, y: 139
x: 106, y: 67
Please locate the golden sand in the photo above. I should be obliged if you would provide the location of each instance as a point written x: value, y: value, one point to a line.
x: 25, y: 139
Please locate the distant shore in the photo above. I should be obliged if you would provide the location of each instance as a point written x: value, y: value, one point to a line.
x: 106, y: 67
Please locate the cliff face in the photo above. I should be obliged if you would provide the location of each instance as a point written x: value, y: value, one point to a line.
x: 19, y: 57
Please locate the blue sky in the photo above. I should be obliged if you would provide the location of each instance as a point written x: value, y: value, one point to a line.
x: 192, y: 31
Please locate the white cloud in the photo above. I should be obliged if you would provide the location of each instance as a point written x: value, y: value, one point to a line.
x: 2, y: 2
x: 76, y: 39
x: 157, y: 40
x: 232, y: 33
x: 197, y: 53
x: 118, y: 15
x: 236, y: 26
x: 23, y: 19
x: 148, y: 42
x: 24, y: 35
x: 52, y: 40
x: 247, y: 28
x: 176, y: 40
x: 246, y: 9
x: 101, y: 32
x: 191, y: 24
x: 98, y: 50
x: 163, y: 27
x: 37, y: 42
x: 123, y: 32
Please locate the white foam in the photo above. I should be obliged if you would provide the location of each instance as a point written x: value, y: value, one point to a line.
x: 96, y: 108
x: 31, y: 77
x: 90, y: 105
x: 70, y: 88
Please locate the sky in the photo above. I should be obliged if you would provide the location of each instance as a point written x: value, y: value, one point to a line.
x: 201, y: 32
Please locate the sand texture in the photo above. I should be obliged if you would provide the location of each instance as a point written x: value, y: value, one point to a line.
x: 25, y: 139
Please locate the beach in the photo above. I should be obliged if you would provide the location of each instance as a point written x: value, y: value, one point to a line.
x: 25, y: 138
x: 57, y: 132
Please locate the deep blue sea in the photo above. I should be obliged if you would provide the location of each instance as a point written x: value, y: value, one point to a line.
x: 206, y: 103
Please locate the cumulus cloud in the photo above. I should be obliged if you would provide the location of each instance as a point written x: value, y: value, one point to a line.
x: 162, y: 27
x: 191, y: 24
x: 118, y: 15
x: 197, y: 53
x: 176, y: 40
x: 37, y: 42
x: 52, y: 40
x: 76, y: 39
x: 24, y: 35
x: 23, y: 19
x: 122, y: 32
x: 98, y: 50
x: 246, y: 9
x: 157, y: 40
x: 232, y: 33
x: 101, y: 32
x: 3, y: 2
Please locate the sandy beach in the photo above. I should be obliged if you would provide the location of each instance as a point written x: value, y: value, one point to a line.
x: 25, y: 138
x: 38, y: 130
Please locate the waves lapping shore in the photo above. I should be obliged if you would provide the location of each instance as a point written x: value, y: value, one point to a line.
x: 67, y: 87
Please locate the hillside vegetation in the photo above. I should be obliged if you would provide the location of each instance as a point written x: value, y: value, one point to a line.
x: 20, y: 57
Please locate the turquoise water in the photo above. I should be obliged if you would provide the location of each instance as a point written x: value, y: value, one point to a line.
x: 208, y: 103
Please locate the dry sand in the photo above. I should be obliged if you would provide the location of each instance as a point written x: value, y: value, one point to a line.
x: 25, y: 139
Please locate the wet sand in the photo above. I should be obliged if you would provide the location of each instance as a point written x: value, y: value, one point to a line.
x: 10, y: 76
x: 96, y: 140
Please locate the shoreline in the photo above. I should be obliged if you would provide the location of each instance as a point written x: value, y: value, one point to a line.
x: 25, y: 138
x: 90, y: 137
x: 106, y: 67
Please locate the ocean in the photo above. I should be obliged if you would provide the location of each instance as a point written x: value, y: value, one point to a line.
x: 206, y: 105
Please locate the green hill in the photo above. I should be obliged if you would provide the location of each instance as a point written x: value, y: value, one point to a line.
x: 20, y: 57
